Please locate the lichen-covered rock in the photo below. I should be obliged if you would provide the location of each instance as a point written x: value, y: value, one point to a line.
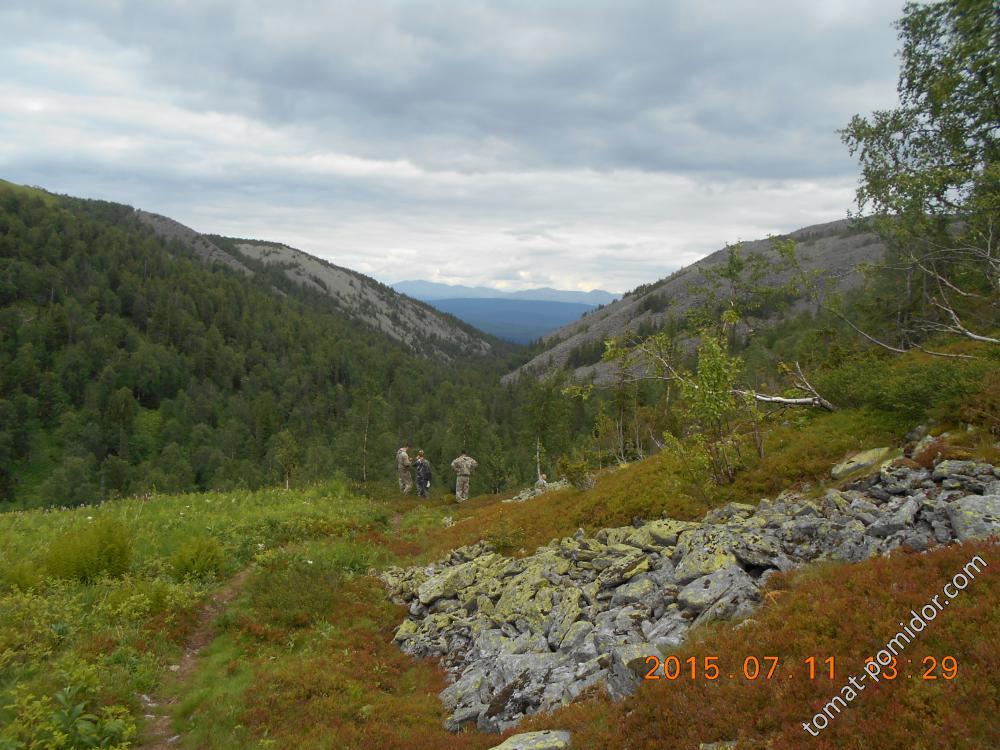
x: 896, y: 520
x: 946, y: 469
x: 975, y: 517
x: 665, y: 532
x: 563, y: 615
x: 703, y: 592
x: 702, y: 551
x: 636, y: 591
x: 863, y: 460
x: 547, y: 739
x: 627, y: 666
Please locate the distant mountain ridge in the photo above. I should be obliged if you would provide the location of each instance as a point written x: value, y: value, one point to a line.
x: 411, y: 322
x: 431, y: 290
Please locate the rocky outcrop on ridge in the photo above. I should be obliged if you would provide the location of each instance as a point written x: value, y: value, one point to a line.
x: 530, y: 634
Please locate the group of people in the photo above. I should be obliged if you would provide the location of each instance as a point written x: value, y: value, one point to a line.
x: 463, y: 466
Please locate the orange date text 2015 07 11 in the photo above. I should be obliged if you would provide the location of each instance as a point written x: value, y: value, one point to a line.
x: 673, y: 668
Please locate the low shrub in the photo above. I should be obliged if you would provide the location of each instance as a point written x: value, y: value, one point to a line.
x: 292, y: 590
x: 23, y: 575
x: 983, y: 408
x: 67, y: 722
x: 506, y: 537
x: 200, y: 558
x: 908, y: 388
x: 102, y: 548
x: 576, y: 471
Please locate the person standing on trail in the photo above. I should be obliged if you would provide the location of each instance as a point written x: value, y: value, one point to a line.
x: 403, y: 469
x: 463, y: 466
x: 422, y: 468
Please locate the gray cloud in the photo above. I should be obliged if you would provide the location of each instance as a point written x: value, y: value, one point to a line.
x: 600, y: 142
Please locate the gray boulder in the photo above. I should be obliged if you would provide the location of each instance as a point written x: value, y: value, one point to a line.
x: 547, y: 739
x: 975, y: 517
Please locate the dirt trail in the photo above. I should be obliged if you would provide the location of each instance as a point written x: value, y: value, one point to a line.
x: 159, y: 735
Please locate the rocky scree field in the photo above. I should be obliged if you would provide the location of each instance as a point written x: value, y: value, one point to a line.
x: 533, y: 633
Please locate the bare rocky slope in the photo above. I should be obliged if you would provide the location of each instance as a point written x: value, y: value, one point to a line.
x: 835, y: 248
x: 365, y: 300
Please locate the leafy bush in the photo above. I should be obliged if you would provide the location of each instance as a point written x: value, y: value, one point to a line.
x: 200, y: 558
x: 23, y: 575
x: 506, y: 537
x: 276, y: 532
x: 576, y: 471
x: 909, y: 388
x: 102, y: 548
x: 67, y: 723
x: 984, y: 407
x: 292, y: 590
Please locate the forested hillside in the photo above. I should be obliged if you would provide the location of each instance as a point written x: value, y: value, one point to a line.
x: 127, y: 364
x: 417, y: 326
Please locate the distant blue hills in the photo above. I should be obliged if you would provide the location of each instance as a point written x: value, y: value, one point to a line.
x: 517, y: 320
x: 520, y: 317
x: 431, y: 290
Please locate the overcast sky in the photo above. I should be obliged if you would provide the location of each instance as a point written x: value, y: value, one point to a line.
x: 511, y: 143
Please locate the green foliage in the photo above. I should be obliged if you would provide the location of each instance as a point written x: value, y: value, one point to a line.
x: 199, y: 558
x: 74, y: 655
x: 722, y: 424
x: 506, y: 537
x: 23, y: 575
x: 931, y: 174
x: 101, y: 548
x: 72, y: 483
x: 576, y: 470
x: 906, y: 391
x: 66, y: 723
x: 292, y: 590
x: 937, y: 154
x: 284, y: 449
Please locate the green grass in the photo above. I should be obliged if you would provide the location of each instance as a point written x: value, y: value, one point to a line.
x: 79, y: 613
x: 210, y: 711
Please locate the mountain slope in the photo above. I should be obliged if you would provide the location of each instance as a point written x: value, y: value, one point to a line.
x: 430, y: 290
x: 410, y: 322
x: 518, y: 320
x: 835, y: 249
x: 134, y: 361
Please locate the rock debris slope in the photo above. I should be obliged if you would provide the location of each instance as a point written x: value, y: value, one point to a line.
x: 834, y: 250
x: 530, y: 634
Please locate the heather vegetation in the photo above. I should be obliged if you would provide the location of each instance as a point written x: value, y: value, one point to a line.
x: 197, y: 468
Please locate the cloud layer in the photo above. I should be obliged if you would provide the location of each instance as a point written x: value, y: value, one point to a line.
x: 572, y: 144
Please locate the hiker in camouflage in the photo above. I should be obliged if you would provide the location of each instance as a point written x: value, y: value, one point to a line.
x: 463, y: 467
x: 403, y: 469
